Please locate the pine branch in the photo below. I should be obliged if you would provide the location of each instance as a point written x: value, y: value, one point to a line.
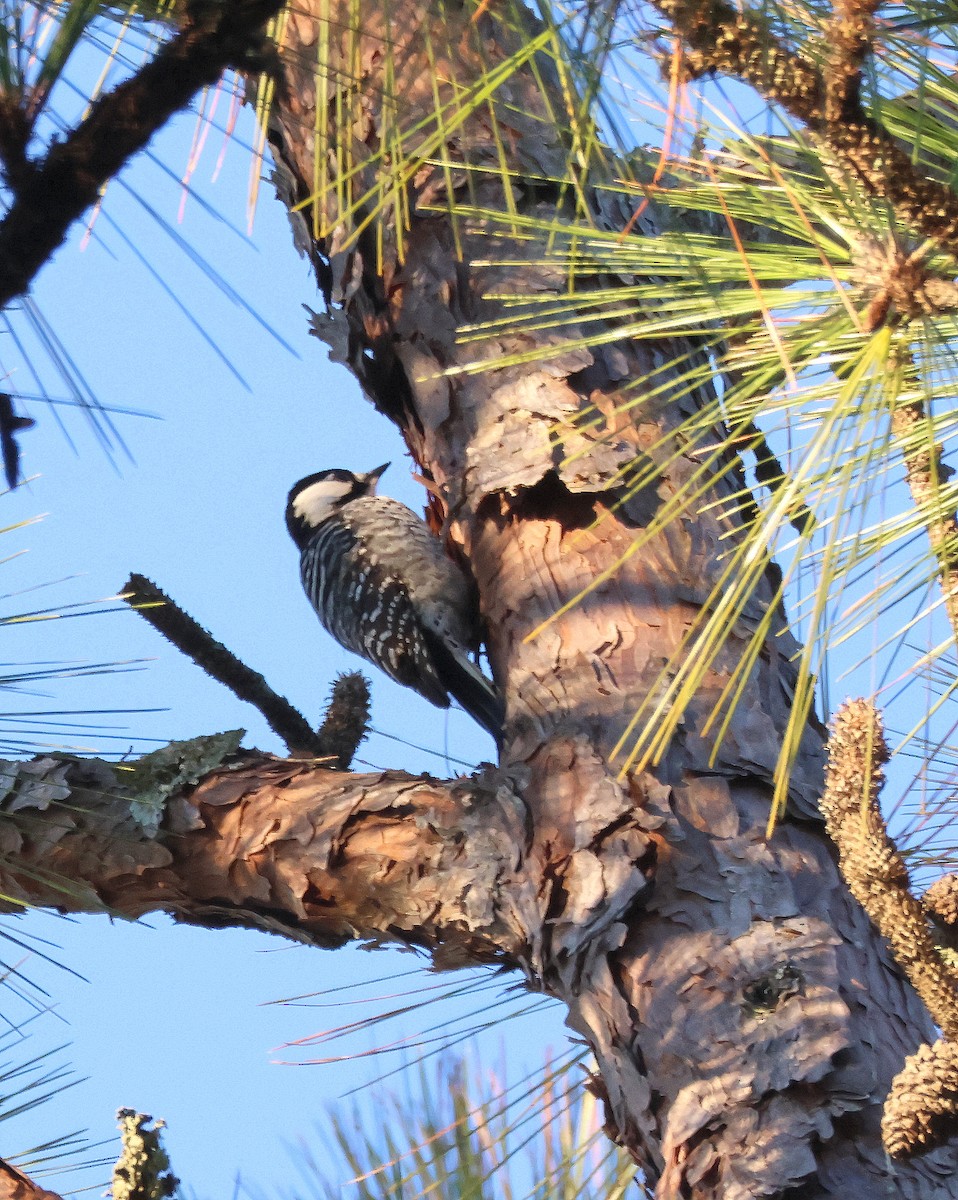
x: 927, y: 474
x: 221, y: 664
x: 142, y: 1171
x: 921, y: 1110
x: 718, y: 37
x: 52, y: 193
x: 871, y: 863
x: 850, y: 36
x: 346, y: 722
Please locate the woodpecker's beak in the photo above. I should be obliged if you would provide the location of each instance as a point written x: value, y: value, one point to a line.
x: 373, y: 476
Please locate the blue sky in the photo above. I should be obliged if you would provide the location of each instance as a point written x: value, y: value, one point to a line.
x: 170, y: 1020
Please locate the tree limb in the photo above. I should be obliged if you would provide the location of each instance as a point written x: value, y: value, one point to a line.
x: 316, y: 855
x: 850, y: 36
x: 51, y: 194
x: 142, y: 1172
x: 921, y: 1111
x: 927, y: 475
x: 870, y: 862
x: 188, y: 636
x: 14, y: 1185
x: 718, y: 37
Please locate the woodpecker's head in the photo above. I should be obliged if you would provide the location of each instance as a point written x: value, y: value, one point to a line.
x: 318, y: 497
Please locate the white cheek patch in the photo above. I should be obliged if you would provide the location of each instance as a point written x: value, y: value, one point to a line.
x: 320, y: 500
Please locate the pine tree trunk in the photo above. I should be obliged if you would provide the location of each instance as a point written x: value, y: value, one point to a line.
x: 745, y: 1017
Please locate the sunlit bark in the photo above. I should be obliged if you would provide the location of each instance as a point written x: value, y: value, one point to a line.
x: 318, y: 855
x: 745, y: 1016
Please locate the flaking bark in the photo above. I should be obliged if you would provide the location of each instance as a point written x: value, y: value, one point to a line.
x: 308, y: 852
x: 745, y: 1017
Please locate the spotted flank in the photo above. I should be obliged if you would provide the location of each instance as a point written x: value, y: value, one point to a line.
x: 335, y: 565
x: 382, y: 585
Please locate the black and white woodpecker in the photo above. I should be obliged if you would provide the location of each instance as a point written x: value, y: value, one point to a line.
x: 382, y: 585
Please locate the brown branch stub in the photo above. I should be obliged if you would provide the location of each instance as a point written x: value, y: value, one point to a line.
x: 921, y: 1111
x: 896, y: 285
x: 188, y: 636
x: 871, y: 864
x: 11, y: 425
x: 54, y: 192
x: 14, y: 1185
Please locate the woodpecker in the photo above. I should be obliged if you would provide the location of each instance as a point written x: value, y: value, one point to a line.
x: 382, y: 585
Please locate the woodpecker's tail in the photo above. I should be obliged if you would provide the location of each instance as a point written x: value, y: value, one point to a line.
x: 464, y: 681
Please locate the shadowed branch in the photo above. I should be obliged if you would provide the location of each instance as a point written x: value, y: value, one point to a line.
x: 221, y: 664
x: 51, y: 193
